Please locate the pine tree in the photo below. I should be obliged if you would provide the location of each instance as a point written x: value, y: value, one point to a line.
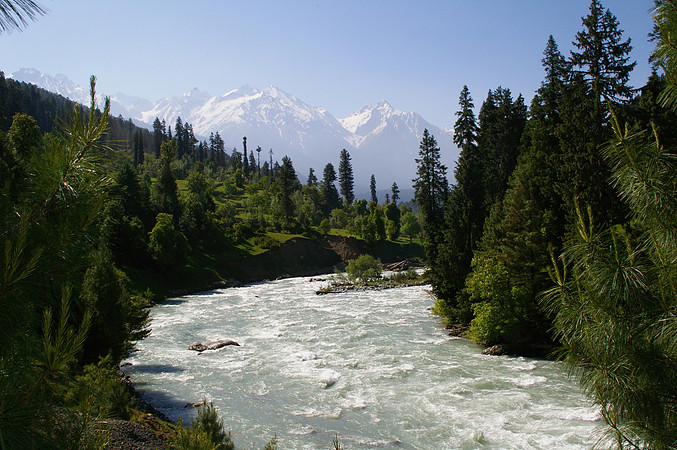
x: 372, y: 189
x: 603, y: 59
x: 330, y: 196
x: 601, y: 70
x: 158, y: 136
x: 14, y: 14
x: 180, y: 142
x: 465, y: 127
x: 346, y: 181
x: 252, y: 163
x: 258, y: 160
x: 312, y: 179
x: 395, y: 190
x: 431, y: 191
x: 164, y: 191
x: 47, y: 233
x: 615, y: 301
x: 288, y: 183
x: 431, y: 183
x: 137, y: 151
x: 522, y: 225
x: 600, y: 73
x: 217, y: 150
x: 244, y: 161
x: 501, y: 122
x: 464, y: 217
x: 468, y: 192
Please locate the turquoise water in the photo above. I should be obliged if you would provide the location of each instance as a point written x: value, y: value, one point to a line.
x: 376, y: 368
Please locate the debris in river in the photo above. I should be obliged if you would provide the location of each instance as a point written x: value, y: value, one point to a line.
x: 211, y: 345
x: 194, y: 404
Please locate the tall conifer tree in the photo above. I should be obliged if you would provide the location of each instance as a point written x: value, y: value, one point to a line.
x: 501, y: 122
x: 158, y: 136
x: 346, y: 181
x: 244, y: 160
x: 330, y: 196
x: 180, y: 138
x: 602, y: 58
x: 464, y: 216
x: 372, y: 188
x: 395, y: 190
x: 312, y: 178
x: 601, y: 71
x: 431, y: 191
x: 288, y: 183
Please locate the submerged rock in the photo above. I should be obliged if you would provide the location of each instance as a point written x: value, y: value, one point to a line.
x: 211, y: 345
x: 193, y: 404
x: 495, y: 350
x: 457, y: 330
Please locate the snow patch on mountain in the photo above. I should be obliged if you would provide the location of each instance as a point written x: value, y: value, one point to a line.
x: 381, y: 139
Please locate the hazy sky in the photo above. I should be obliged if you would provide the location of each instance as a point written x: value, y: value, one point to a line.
x: 340, y: 55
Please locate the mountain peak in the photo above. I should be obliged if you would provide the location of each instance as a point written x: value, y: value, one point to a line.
x: 272, y: 118
x: 246, y: 89
x: 60, y: 83
x: 195, y: 94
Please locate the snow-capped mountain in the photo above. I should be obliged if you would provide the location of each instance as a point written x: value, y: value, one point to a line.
x: 59, y: 84
x: 381, y: 139
x: 129, y: 106
x: 383, y: 133
x: 120, y: 104
x: 171, y: 108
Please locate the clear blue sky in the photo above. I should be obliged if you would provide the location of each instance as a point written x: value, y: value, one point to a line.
x: 340, y: 55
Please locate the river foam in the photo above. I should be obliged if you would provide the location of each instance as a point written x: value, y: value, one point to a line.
x: 374, y: 367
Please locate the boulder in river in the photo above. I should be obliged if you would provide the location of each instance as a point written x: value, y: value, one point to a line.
x: 495, y: 350
x: 194, y: 404
x: 211, y: 345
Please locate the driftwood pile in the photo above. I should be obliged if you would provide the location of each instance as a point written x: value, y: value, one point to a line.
x: 397, y: 266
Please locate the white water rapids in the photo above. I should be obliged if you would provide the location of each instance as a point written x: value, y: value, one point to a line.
x: 375, y: 368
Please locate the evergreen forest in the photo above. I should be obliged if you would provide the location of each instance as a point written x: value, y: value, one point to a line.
x: 557, y: 236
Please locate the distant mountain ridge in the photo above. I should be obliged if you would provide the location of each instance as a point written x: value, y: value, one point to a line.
x: 381, y: 139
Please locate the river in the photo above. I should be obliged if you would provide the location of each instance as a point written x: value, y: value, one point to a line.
x: 375, y: 368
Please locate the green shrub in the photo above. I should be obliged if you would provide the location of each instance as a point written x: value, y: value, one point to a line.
x: 492, y: 323
x: 364, y: 268
x: 325, y: 226
x: 191, y: 438
x: 100, y: 392
x: 266, y: 242
x: 206, y: 431
x: 405, y: 276
x: 272, y: 444
x: 498, y: 307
